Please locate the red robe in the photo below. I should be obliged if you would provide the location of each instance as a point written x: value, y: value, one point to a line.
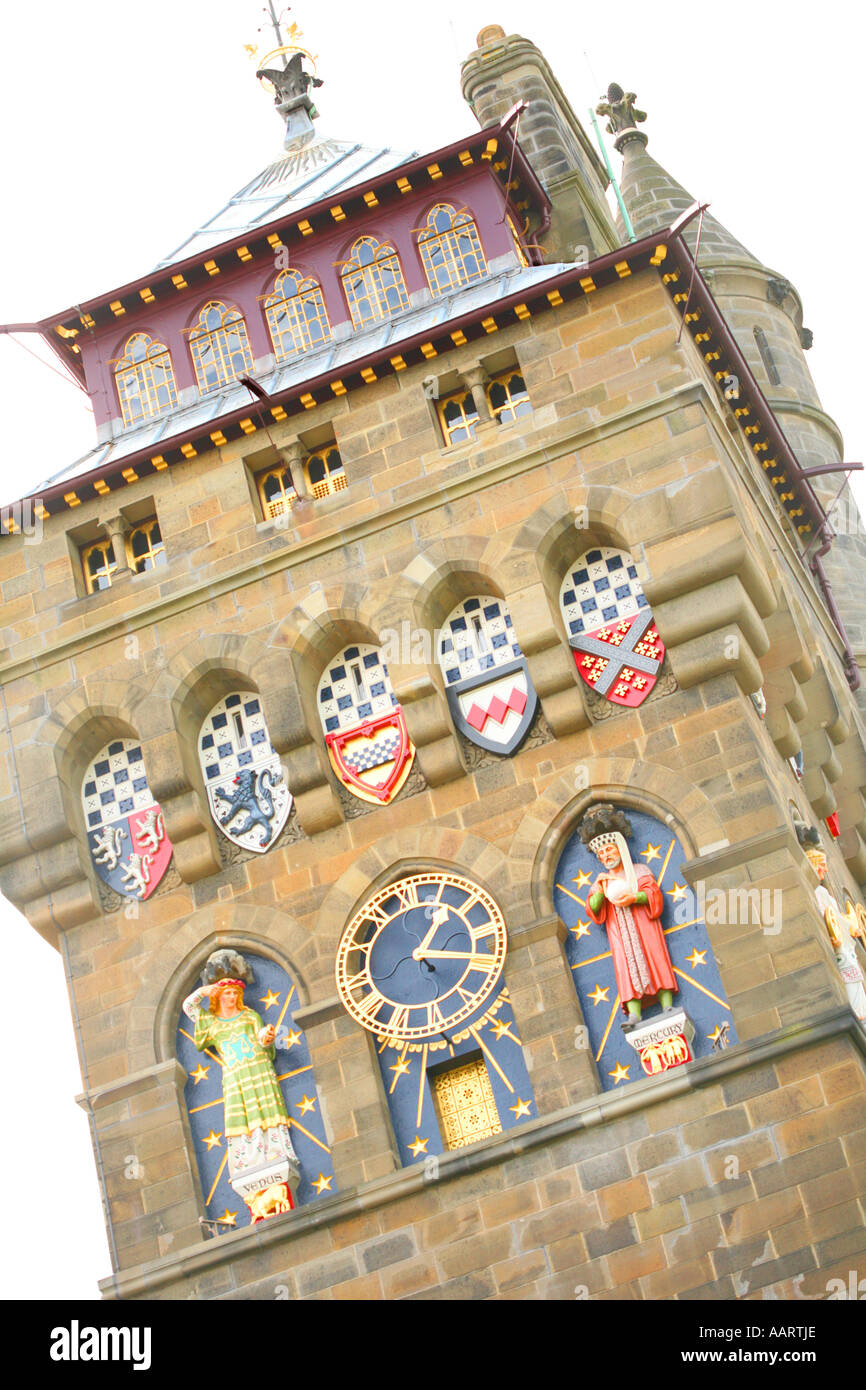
x: 640, y: 954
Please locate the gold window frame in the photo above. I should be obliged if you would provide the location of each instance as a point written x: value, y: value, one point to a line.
x: 334, y: 475
x: 456, y: 245
x: 374, y: 287
x: 91, y: 580
x: 465, y: 422
x: 464, y: 1103
x: 281, y: 503
x: 514, y: 397
x: 518, y: 244
x: 144, y: 379
x: 217, y: 346
x: 155, y: 551
x: 290, y: 323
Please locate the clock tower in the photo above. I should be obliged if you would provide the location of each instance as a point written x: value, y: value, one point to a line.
x: 433, y: 733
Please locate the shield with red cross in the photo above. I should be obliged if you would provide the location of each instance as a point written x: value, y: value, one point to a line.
x: 487, y: 681
x: 616, y: 644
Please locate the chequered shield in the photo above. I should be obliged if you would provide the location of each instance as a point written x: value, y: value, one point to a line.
x: 488, y: 685
x: 246, y: 790
x: 617, y: 648
x: 125, y: 830
x: 365, y: 731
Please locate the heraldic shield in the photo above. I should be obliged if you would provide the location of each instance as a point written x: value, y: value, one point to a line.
x: 125, y: 831
x: 246, y: 789
x: 365, y: 731
x: 487, y: 681
x: 617, y: 648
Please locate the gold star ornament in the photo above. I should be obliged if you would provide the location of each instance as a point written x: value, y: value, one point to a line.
x: 200, y: 1074
x: 520, y: 1109
x: 306, y: 1105
x: 599, y: 995
x: 620, y: 1074
x: 419, y: 1146
x: 213, y: 1140
x: 322, y: 1184
x: 270, y: 999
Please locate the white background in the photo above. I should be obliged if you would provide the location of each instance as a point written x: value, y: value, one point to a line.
x: 126, y: 126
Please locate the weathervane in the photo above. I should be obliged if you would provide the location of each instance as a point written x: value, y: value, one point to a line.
x: 290, y: 84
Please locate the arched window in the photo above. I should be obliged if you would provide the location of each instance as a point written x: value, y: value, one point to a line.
x: 145, y: 547
x: 219, y: 346
x: 99, y: 565
x: 450, y: 249
x: 325, y: 472
x: 296, y: 315
x: 373, y: 281
x: 276, y: 492
x: 144, y: 378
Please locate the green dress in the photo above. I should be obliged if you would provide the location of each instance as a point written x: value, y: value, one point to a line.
x: 256, y: 1121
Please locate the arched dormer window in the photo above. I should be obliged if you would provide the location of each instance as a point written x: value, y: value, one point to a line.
x: 296, y: 314
x: 144, y: 378
x: 450, y: 249
x: 220, y: 347
x: 373, y: 281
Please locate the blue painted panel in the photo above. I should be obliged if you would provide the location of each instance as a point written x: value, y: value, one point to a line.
x: 701, y: 992
x: 406, y: 1080
x: 297, y: 1082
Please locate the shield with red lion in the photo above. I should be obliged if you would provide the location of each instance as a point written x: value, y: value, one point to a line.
x: 365, y: 730
x: 125, y: 829
x: 616, y: 644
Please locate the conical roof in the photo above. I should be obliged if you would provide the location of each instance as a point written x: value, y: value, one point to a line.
x: 652, y: 197
x: 654, y: 200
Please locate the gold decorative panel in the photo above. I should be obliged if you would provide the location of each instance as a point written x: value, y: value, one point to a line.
x: 464, y: 1104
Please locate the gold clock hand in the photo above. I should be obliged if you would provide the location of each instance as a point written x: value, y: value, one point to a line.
x: 439, y: 916
x: 459, y: 955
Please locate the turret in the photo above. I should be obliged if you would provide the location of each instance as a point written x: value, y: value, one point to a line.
x: 765, y: 315
x: 508, y: 69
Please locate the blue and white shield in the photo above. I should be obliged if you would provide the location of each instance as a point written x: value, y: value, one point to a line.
x: 487, y: 681
x: 246, y: 789
x: 126, y: 835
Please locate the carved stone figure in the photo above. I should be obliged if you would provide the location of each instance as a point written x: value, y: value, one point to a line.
x: 626, y: 900
x: 622, y: 114
x: 291, y: 83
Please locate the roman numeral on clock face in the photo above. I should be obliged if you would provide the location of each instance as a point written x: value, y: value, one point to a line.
x: 370, y: 1006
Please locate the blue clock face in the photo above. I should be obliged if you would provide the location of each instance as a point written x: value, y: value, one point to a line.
x: 422, y: 956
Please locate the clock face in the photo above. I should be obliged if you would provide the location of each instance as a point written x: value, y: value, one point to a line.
x: 422, y: 956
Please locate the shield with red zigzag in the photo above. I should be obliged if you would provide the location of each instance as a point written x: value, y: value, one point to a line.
x: 488, y: 685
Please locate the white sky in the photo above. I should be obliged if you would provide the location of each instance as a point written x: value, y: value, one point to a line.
x: 126, y: 126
